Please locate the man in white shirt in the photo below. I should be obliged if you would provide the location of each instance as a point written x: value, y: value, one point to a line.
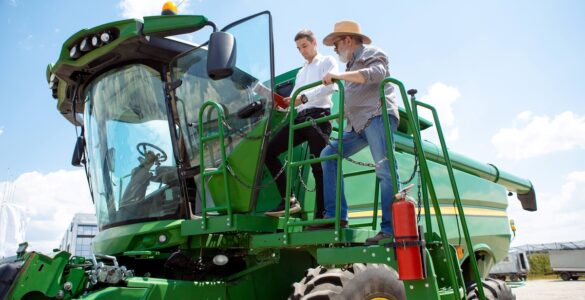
x: 313, y: 103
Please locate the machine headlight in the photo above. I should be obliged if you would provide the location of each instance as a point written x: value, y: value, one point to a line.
x: 74, y: 52
x: 85, y: 45
x: 105, y: 37
x: 95, y: 41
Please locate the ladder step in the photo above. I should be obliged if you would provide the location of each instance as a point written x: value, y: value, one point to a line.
x: 314, y: 160
x: 318, y: 121
x: 212, y: 172
x: 209, y: 137
x: 311, y: 222
x: 217, y: 208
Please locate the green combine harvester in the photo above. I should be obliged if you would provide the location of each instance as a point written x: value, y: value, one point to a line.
x: 172, y: 136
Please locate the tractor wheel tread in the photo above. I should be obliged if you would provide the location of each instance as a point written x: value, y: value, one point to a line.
x: 360, y: 281
x: 493, y: 289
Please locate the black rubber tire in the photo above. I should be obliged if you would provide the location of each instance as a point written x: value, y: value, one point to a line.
x: 575, y: 278
x: 493, y: 289
x: 360, y: 282
x: 565, y: 276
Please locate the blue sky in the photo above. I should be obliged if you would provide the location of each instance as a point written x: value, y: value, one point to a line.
x: 505, y: 75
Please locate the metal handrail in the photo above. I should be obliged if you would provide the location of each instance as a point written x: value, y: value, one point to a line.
x: 461, y: 213
x: 292, y: 127
x: 222, y: 169
x: 413, y: 118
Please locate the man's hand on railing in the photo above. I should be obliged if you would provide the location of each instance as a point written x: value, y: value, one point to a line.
x: 329, y: 77
x: 351, y: 76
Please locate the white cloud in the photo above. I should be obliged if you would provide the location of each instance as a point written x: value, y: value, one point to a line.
x: 12, y: 3
x: 1, y: 130
x: 442, y: 97
x: 139, y: 8
x: 27, y: 43
x: 534, y: 136
x: 50, y: 201
x: 559, y: 217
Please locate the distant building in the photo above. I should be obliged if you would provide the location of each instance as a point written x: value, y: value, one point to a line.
x: 79, y: 234
x: 545, y: 248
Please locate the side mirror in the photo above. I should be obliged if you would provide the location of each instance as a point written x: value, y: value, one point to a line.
x: 221, y: 55
x: 78, y: 152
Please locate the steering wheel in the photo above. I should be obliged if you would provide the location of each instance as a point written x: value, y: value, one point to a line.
x: 143, y: 148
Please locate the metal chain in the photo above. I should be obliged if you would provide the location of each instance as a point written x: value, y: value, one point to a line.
x: 310, y: 190
x: 361, y: 163
x: 419, y: 184
x: 256, y: 187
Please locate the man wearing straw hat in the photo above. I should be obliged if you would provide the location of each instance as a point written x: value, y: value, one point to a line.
x: 366, y: 67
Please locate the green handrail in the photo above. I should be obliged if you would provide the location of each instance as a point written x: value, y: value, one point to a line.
x: 222, y: 169
x: 424, y: 168
x: 460, y: 210
x: 338, y: 156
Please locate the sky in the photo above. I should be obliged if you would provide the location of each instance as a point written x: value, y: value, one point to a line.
x: 506, y: 77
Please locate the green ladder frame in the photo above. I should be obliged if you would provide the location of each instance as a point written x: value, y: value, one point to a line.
x: 222, y: 169
x: 426, y: 178
x: 412, y: 114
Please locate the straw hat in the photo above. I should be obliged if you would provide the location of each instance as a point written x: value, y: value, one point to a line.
x: 342, y: 28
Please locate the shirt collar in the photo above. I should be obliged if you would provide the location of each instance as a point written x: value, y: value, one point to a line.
x: 356, y: 53
x: 316, y: 58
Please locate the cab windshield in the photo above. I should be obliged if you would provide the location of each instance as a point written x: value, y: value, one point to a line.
x: 245, y: 98
x: 130, y: 159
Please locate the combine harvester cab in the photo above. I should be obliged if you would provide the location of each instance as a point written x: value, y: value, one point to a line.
x: 173, y: 140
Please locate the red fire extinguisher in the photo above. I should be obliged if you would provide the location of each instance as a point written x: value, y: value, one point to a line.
x: 408, y: 243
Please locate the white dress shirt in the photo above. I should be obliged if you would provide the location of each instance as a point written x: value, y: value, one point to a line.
x: 319, y: 96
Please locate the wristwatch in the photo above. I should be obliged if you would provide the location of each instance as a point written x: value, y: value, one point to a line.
x: 304, y: 98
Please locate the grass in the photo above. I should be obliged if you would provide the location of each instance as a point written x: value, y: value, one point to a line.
x: 542, y: 276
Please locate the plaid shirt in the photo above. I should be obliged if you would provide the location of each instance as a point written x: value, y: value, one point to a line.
x: 362, y: 100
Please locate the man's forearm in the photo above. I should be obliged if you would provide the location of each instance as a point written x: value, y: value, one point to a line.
x: 352, y: 76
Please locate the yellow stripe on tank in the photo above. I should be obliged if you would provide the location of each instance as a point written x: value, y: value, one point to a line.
x: 469, y: 211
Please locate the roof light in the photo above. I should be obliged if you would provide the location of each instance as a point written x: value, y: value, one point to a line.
x: 105, y: 37
x: 85, y: 45
x: 169, y: 9
x: 95, y: 41
x: 74, y: 52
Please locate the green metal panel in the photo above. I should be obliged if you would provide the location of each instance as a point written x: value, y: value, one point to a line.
x: 42, y: 274
x: 141, y: 236
x: 119, y: 293
x: 309, y: 238
x: 241, y: 223
x: 360, y: 254
x: 243, y: 161
x: 177, y: 289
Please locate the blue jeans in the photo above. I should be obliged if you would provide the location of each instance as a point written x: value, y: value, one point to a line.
x: 353, y: 142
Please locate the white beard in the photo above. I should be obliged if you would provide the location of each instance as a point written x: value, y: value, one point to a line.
x: 344, y: 56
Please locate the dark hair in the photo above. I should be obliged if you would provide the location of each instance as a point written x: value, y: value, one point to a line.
x: 305, y: 33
